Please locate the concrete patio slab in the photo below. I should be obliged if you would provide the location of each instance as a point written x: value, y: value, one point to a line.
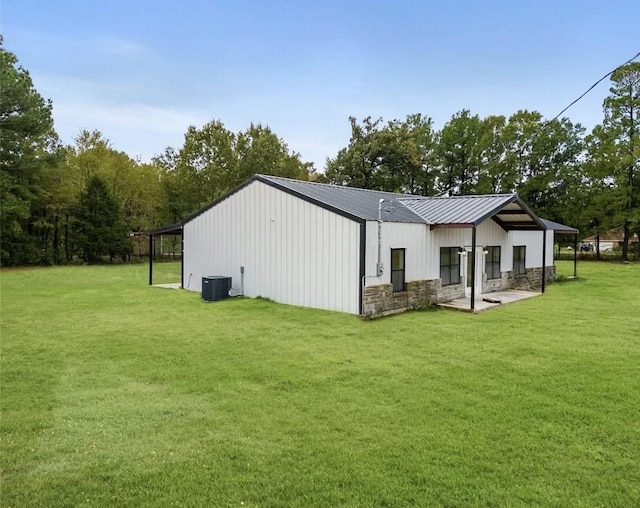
x: 171, y: 285
x: 488, y: 300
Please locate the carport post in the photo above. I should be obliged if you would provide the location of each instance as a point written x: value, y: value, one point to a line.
x: 544, y: 257
x: 473, y: 268
x: 575, y: 255
x: 182, y: 259
x: 150, y: 259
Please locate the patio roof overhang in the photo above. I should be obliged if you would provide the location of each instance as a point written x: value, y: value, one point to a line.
x: 506, y: 210
x: 512, y: 215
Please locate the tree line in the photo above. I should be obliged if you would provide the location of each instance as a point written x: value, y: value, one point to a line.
x: 84, y: 201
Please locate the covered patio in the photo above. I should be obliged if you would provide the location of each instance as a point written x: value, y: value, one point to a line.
x: 507, y: 210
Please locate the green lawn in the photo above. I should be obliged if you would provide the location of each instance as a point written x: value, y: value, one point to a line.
x: 115, y: 393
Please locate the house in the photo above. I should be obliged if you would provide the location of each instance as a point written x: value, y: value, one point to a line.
x: 362, y: 251
x: 611, y: 240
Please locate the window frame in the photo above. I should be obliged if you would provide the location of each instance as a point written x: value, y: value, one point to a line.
x: 395, y: 272
x: 452, y: 269
x: 519, y: 259
x: 491, y: 264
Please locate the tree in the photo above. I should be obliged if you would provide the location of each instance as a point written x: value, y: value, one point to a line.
x: 134, y: 185
x: 99, y: 227
x: 213, y: 160
x: 622, y: 126
x: 260, y: 150
x: 458, y: 154
x: 541, y: 157
x: 26, y: 141
x: 494, y: 176
x: 358, y: 164
x: 397, y: 156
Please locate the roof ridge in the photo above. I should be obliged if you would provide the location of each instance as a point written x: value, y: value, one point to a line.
x: 464, y: 196
x: 397, y: 194
x: 334, y: 186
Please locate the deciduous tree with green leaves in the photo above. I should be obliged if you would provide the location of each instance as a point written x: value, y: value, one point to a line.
x: 214, y: 159
x: 458, y: 154
x: 397, y: 156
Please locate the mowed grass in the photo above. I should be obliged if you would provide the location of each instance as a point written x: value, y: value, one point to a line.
x: 118, y: 394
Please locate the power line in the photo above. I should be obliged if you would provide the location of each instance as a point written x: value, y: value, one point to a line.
x: 594, y: 85
x: 548, y: 122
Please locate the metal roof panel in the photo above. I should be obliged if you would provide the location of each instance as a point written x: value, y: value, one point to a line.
x: 361, y: 203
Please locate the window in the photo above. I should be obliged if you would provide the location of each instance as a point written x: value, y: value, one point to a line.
x: 397, y: 269
x: 492, y: 263
x: 449, y: 266
x: 519, y: 255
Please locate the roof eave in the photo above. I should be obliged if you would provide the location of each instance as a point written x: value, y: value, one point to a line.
x: 170, y: 229
x: 504, y: 224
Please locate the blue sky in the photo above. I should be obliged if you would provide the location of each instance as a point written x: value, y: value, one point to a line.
x: 142, y: 71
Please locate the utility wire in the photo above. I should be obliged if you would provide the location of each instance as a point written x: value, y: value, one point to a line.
x: 594, y: 85
x: 548, y: 122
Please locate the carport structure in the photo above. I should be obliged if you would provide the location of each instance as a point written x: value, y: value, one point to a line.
x: 566, y: 230
x: 171, y: 229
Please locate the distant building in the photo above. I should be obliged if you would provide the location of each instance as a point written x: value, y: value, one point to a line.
x: 611, y: 240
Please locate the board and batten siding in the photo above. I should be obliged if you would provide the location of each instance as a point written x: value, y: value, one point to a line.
x: 293, y: 251
x: 533, y: 241
x: 395, y: 235
x: 487, y: 234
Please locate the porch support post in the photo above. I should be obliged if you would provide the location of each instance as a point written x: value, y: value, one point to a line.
x: 473, y: 269
x: 544, y: 257
x: 182, y: 259
x: 575, y: 255
x: 150, y: 259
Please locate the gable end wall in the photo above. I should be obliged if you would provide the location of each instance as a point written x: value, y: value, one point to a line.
x: 293, y: 251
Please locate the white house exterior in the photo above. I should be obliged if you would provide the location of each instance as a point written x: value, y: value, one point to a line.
x: 292, y: 251
x: 321, y: 246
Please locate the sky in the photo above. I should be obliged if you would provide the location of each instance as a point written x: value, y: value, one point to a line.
x: 142, y: 71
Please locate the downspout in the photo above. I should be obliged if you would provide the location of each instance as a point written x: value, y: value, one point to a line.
x: 150, y: 259
x: 363, y: 258
x: 544, y: 257
x: 473, y: 269
x: 379, y: 266
x: 363, y: 252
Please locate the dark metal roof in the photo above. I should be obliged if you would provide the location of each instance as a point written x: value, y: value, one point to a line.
x: 171, y: 229
x: 456, y: 210
x: 357, y: 203
x: 360, y: 205
x: 559, y: 228
x: 507, y: 210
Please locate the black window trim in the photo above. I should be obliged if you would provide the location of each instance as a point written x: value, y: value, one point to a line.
x: 491, y: 265
x: 454, y: 269
x: 401, y: 270
x: 521, y: 262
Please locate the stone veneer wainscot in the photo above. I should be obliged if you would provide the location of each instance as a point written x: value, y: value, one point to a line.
x: 382, y: 300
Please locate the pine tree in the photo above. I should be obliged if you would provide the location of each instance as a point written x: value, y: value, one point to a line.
x: 100, y: 228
